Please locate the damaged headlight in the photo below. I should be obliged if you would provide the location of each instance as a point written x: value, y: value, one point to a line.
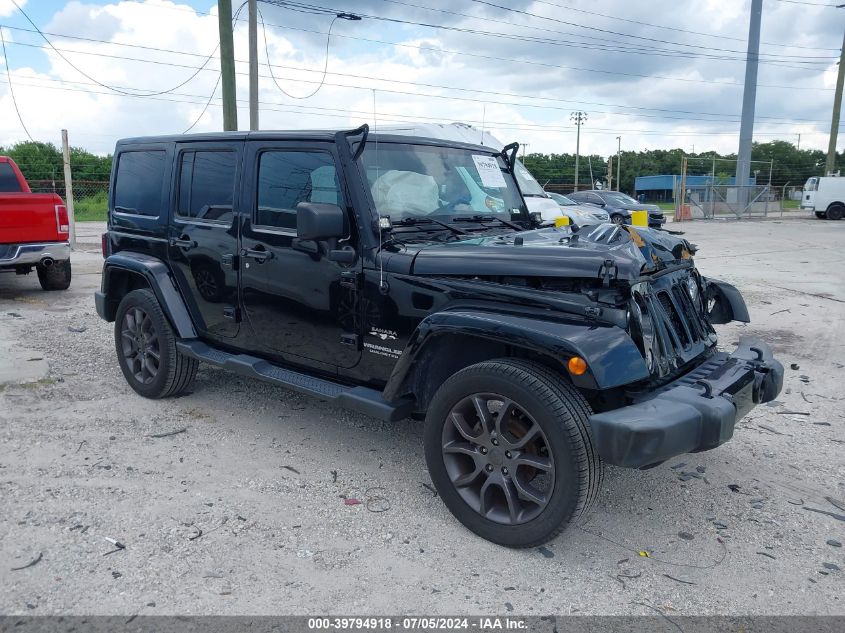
x: 692, y: 289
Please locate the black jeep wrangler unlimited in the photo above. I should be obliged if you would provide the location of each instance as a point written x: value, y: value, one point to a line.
x: 404, y: 277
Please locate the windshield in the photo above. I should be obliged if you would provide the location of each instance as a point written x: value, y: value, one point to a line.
x: 527, y: 184
x: 415, y: 181
x: 621, y: 197
x: 562, y: 200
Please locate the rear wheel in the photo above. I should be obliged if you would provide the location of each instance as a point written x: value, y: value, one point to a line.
x: 835, y: 212
x: 56, y: 276
x: 146, y: 348
x: 508, y: 447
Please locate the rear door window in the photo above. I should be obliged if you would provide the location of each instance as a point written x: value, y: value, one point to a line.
x: 286, y: 178
x: 139, y: 182
x: 207, y: 185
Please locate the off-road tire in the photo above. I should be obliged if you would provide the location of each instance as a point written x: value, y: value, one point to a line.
x: 55, y: 277
x: 175, y: 372
x: 558, y: 409
x: 835, y: 212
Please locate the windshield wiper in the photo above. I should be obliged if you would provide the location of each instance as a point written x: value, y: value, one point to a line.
x: 488, y: 218
x: 412, y: 221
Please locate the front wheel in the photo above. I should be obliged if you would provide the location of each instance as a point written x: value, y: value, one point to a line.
x: 146, y: 348
x: 617, y: 219
x: 508, y: 447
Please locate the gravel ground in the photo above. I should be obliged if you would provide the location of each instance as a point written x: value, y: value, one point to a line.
x: 242, y: 512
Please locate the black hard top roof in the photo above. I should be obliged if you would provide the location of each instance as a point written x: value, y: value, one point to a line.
x: 301, y: 135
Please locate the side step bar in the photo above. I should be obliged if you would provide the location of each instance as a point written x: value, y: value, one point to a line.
x: 361, y: 399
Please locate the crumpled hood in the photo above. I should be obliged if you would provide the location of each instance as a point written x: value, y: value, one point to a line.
x: 556, y: 252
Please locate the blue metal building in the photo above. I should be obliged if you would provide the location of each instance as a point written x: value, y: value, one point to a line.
x: 662, y: 187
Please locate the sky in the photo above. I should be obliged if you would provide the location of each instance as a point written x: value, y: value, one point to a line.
x: 657, y: 73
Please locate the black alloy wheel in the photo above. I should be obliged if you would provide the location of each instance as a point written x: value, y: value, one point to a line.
x: 509, y: 449
x: 835, y: 212
x: 140, y: 345
x: 498, y: 459
x: 146, y: 348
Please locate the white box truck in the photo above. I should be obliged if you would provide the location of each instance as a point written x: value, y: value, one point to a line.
x: 825, y: 195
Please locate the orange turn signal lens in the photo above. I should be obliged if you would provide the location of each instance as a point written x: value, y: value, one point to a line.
x: 576, y: 366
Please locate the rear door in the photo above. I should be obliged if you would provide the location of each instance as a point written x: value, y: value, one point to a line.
x: 203, y: 234
x: 302, y: 307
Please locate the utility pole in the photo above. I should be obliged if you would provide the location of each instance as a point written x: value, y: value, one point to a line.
x: 610, y: 173
x: 798, y: 147
x: 578, y: 118
x: 830, y: 166
x: 749, y: 99
x: 619, y: 164
x: 253, y: 65
x: 68, y: 190
x: 227, y: 65
x: 524, y: 146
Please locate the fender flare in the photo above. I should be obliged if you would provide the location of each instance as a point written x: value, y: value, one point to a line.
x: 157, y: 275
x: 729, y: 306
x: 613, y: 359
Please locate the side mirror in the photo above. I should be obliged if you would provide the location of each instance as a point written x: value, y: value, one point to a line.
x: 318, y: 221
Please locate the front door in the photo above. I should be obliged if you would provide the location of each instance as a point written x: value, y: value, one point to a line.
x: 301, y: 306
x: 203, y: 238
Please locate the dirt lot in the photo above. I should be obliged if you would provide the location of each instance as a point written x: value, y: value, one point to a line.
x: 243, y: 512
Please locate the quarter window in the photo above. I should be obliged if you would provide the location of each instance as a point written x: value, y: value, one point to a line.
x: 207, y: 185
x: 286, y: 178
x: 139, y: 182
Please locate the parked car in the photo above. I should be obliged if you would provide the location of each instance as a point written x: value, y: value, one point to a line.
x: 360, y: 269
x: 825, y: 195
x: 34, y: 230
x: 579, y: 215
x: 619, y: 206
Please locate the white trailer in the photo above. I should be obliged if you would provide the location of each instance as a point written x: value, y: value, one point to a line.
x: 825, y: 195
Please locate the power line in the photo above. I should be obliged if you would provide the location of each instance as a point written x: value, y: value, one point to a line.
x: 391, y: 116
x: 665, y: 112
x: 325, y: 65
x: 618, y: 33
x: 12, y: 88
x: 107, y: 86
x: 411, y: 46
x: 593, y: 13
x: 300, y: 7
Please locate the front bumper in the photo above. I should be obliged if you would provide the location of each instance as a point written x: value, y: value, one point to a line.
x: 14, y: 255
x: 694, y: 413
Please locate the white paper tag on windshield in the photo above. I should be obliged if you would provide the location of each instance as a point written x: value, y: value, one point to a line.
x: 490, y: 172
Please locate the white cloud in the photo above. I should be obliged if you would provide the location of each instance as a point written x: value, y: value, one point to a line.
x: 522, y: 90
x: 7, y: 8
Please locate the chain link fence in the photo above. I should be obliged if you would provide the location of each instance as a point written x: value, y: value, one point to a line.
x: 707, y: 189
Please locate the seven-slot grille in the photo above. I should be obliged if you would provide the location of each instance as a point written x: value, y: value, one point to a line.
x: 671, y: 325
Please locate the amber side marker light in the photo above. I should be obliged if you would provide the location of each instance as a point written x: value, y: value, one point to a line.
x: 576, y: 366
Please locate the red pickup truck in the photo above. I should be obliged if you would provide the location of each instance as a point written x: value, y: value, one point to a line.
x: 34, y: 230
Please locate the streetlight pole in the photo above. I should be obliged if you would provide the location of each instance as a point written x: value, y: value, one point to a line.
x: 830, y: 166
x: 749, y: 99
x: 227, y: 65
x: 578, y: 118
x: 619, y: 164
